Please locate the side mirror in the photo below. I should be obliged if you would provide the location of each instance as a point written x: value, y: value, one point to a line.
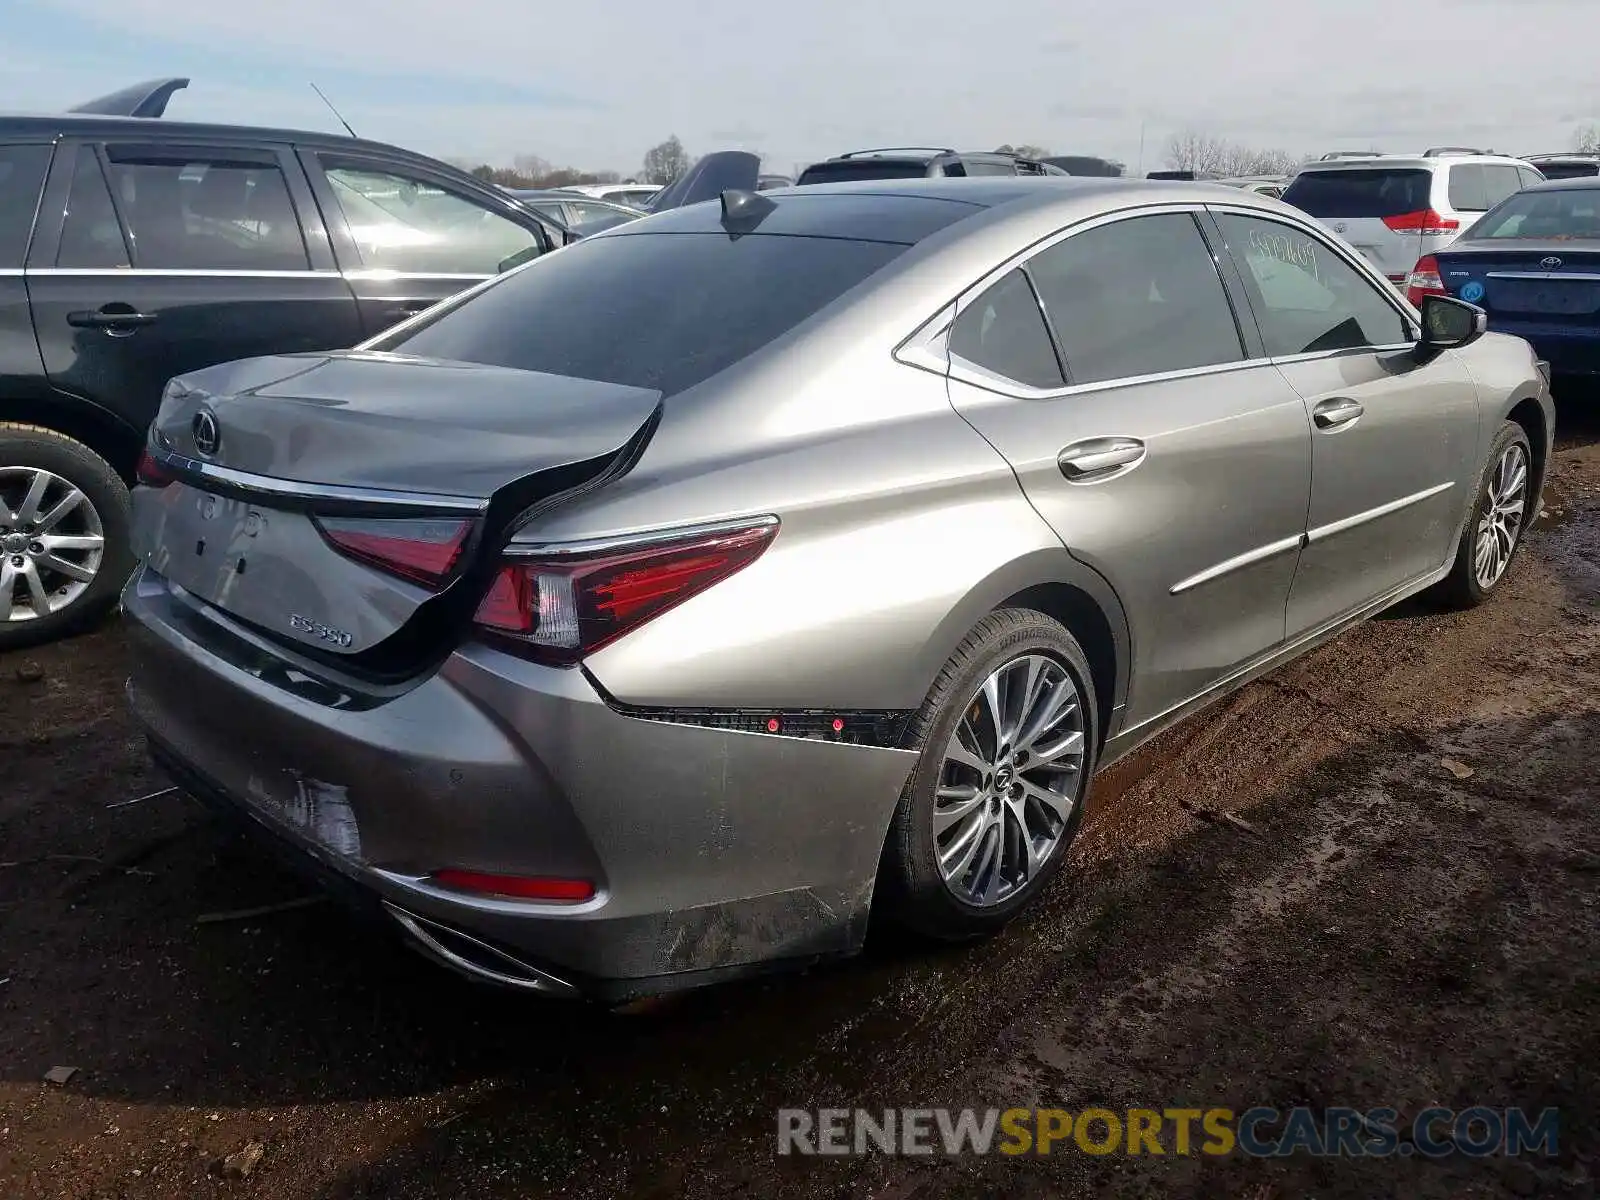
x: 527, y: 254
x: 1448, y: 323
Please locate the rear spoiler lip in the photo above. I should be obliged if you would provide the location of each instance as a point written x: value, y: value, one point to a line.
x: 147, y: 99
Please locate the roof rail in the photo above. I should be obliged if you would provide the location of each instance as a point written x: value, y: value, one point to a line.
x: 1445, y: 151
x: 147, y: 99
x: 898, y: 150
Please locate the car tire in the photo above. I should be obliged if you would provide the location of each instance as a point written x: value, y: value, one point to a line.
x: 40, y: 473
x: 977, y: 796
x: 1495, y: 527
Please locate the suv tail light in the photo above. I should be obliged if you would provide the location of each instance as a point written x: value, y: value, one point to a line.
x: 1426, y: 221
x: 562, y: 607
x: 1424, y: 280
x: 151, y: 473
x: 425, y: 551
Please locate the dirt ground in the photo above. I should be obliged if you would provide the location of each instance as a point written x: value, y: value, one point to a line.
x: 1377, y: 932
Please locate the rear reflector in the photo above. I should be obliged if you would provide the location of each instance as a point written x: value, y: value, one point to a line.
x: 517, y: 887
x: 1424, y: 280
x: 151, y: 473
x: 560, y: 608
x: 425, y: 551
x: 1426, y: 221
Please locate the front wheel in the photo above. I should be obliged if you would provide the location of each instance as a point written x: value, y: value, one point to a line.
x: 1500, y: 516
x: 64, y: 518
x: 1007, y: 740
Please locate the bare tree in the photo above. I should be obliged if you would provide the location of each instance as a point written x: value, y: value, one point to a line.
x: 666, y: 162
x: 1206, y: 155
x: 1586, y: 139
x: 531, y: 166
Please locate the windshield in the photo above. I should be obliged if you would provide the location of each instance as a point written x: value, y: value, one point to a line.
x: 1543, y: 216
x: 851, y: 169
x: 1367, y: 192
x: 661, y: 311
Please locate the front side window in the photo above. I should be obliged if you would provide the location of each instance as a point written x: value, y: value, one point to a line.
x: 1140, y: 296
x: 1500, y: 181
x: 91, y: 236
x: 654, y: 310
x: 1003, y: 332
x: 22, y: 171
x: 414, y: 226
x: 207, y: 214
x: 1307, y: 298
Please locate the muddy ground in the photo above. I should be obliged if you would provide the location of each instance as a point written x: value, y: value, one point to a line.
x: 1377, y: 932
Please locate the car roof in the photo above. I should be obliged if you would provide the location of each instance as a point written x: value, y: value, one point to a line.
x: 51, y: 126
x: 1579, y: 183
x: 1417, y: 162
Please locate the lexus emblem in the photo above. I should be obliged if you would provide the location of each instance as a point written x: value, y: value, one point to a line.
x: 207, y: 437
x: 1551, y: 263
x: 1341, y: 227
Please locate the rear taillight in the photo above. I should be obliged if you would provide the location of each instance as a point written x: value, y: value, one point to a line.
x: 425, y: 550
x: 1426, y: 221
x: 563, y: 607
x: 1424, y: 280
x: 151, y: 473
x: 516, y: 887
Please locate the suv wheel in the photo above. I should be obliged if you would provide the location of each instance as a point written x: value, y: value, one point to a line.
x: 64, y: 519
x: 1008, y: 739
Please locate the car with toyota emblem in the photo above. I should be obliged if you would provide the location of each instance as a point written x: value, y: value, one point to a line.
x: 627, y: 623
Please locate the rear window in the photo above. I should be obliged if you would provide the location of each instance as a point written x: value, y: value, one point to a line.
x: 660, y: 311
x: 1369, y: 192
x: 1543, y: 216
x: 1569, y: 170
x: 853, y: 169
x: 22, y: 170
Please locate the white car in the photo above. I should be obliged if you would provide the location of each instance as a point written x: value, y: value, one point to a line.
x: 1394, y: 208
x: 635, y: 195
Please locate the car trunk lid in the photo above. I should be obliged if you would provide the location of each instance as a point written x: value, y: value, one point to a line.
x: 339, y: 502
x: 1527, y: 279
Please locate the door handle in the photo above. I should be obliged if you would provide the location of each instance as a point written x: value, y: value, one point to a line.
x: 1099, y: 457
x: 409, y: 308
x: 114, y: 320
x: 1331, y: 414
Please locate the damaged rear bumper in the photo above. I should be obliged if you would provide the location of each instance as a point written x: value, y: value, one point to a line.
x: 713, y: 852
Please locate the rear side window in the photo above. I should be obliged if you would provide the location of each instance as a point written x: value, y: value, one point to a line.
x: 1137, y: 297
x: 662, y: 311
x: 22, y: 171
x: 1366, y: 192
x: 1469, y: 188
x: 979, y: 166
x: 1500, y: 181
x: 1003, y: 331
x: 207, y: 214
x: 91, y: 236
x: 850, y: 169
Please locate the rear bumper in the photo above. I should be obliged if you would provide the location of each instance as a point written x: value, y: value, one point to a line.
x: 713, y: 851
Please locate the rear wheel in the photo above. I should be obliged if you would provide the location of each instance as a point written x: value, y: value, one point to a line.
x: 1008, y: 737
x: 64, y: 519
x: 1500, y: 515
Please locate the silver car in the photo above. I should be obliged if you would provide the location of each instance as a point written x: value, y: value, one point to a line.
x: 665, y: 607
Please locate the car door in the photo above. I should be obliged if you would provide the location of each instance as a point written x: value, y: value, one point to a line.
x: 1151, y: 435
x: 154, y: 259
x: 1394, y: 442
x: 23, y: 167
x: 407, y: 237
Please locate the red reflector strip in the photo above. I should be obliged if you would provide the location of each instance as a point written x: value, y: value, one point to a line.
x: 518, y: 887
x: 1426, y: 221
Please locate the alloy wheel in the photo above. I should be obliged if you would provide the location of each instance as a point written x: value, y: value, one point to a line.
x: 1009, y: 780
x: 51, y: 543
x: 1502, y: 517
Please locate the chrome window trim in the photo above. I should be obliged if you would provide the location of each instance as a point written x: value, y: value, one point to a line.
x: 1578, y: 276
x: 517, y: 548
x: 269, y: 486
x: 979, y: 377
x: 1237, y: 563
x: 177, y: 272
x: 1324, y: 532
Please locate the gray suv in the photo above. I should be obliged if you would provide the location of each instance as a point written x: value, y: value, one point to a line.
x: 914, y: 162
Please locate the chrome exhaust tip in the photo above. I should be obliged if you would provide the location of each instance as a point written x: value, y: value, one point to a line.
x: 475, y: 958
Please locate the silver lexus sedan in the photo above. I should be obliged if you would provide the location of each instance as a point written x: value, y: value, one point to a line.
x: 662, y: 608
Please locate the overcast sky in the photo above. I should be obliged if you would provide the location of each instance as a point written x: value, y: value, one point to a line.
x: 596, y: 84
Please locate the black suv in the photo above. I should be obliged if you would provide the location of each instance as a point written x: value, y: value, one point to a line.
x: 919, y: 162
x: 135, y: 249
